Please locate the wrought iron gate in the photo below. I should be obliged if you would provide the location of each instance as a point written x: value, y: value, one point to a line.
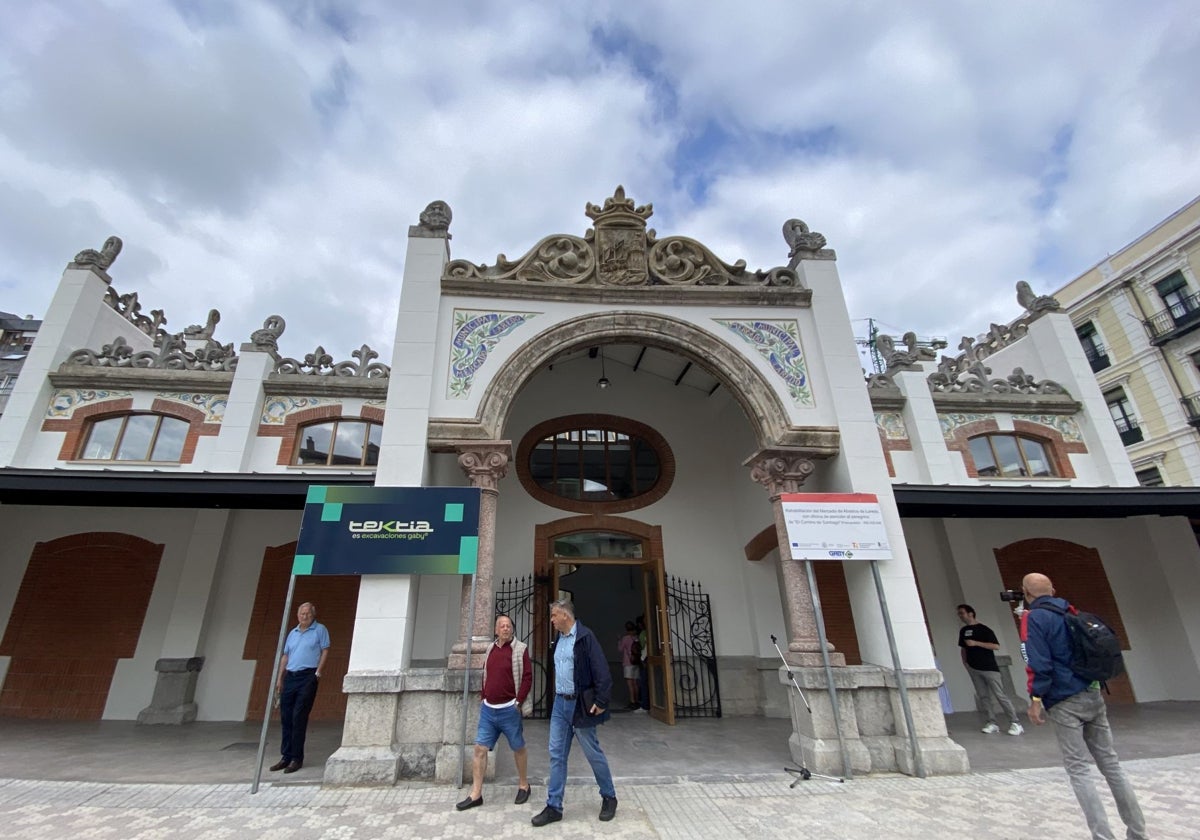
x: 697, y: 688
x: 693, y: 650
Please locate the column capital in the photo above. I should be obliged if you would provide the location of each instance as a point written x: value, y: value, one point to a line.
x: 780, y: 470
x: 484, y: 462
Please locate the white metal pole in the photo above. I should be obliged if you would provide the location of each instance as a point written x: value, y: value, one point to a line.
x: 918, y: 760
x: 262, y: 738
x: 847, y: 770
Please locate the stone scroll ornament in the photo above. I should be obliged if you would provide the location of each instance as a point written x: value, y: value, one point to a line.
x: 172, y: 351
x: 977, y: 380
x: 320, y: 363
x: 619, y: 250
x: 475, y: 334
x: 103, y: 258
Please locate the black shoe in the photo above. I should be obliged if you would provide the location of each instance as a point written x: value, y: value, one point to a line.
x: 608, y: 808
x: 293, y: 767
x: 522, y: 795
x: 280, y: 764
x: 547, y: 816
x: 469, y: 803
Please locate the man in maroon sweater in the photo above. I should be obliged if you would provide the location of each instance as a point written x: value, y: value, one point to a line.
x: 507, y: 679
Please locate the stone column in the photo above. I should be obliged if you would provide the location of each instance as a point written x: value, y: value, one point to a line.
x: 485, y: 463
x: 784, y: 471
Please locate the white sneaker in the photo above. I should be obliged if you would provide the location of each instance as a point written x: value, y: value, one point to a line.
x: 990, y: 729
x: 1016, y: 729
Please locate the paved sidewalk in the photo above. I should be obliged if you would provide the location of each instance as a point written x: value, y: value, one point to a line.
x: 1002, y: 805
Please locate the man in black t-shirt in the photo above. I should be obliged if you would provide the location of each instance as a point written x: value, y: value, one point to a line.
x: 979, y: 645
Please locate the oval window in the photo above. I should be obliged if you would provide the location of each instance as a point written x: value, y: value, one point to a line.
x: 595, y: 463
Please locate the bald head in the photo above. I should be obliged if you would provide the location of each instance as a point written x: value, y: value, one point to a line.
x: 1036, y: 585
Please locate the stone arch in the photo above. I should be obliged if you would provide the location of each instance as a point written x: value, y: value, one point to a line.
x: 764, y: 411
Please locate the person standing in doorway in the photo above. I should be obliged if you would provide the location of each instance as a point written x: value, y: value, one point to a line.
x: 1077, y: 708
x: 507, y: 679
x: 631, y: 662
x: 979, y: 645
x: 304, y: 653
x: 582, y: 690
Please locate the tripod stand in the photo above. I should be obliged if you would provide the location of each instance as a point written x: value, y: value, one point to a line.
x: 801, y: 773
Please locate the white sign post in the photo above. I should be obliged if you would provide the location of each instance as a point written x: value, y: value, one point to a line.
x: 845, y: 527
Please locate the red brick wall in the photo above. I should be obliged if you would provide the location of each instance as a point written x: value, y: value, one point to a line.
x: 336, y: 600
x: 1078, y: 575
x: 80, y: 608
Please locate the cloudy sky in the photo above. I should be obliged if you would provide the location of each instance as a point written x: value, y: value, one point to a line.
x: 268, y: 157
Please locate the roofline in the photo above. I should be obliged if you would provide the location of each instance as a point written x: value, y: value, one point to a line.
x: 1028, y: 502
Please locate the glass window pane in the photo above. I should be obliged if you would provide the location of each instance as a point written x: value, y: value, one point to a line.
x: 1010, y: 459
x: 314, y: 447
x: 102, y: 438
x: 981, y: 453
x: 374, y: 436
x: 135, y: 443
x: 598, y: 544
x: 1036, y: 458
x: 348, y: 446
x: 172, y: 432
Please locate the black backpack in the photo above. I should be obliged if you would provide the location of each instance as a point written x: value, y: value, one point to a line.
x: 1095, y: 648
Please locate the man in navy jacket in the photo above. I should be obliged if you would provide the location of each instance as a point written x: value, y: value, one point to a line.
x: 1077, y: 709
x: 582, y: 690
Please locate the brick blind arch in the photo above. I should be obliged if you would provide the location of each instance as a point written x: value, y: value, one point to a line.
x: 80, y: 608
x: 1078, y: 575
x: 336, y: 599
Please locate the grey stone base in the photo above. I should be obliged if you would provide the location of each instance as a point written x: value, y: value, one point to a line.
x: 872, y: 722
x: 174, y: 692
x: 362, y: 766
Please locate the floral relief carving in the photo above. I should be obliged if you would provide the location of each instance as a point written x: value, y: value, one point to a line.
x: 475, y: 334
x: 891, y: 425
x: 213, y: 405
x: 65, y: 401
x: 320, y: 363
x: 779, y: 343
x: 1065, y: 425
x: 276, y: 409
x: 955, y: 420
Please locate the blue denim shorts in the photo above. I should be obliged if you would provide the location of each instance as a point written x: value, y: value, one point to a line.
x: 494, y: 721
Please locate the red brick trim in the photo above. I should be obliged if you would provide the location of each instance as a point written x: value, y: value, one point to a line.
x: 76, y: 426
x: 291, y: 428
x: 666, y: 462
x: 762, y: 544
x: 1052, y: 439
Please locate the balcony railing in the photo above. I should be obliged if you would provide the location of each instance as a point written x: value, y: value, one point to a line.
x: 1097, y: 356
x: 1129, y: 430
x: 1191, y: 407
x: 1181, y: 317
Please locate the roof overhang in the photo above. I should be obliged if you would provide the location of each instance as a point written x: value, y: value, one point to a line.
x: 1028, y: 502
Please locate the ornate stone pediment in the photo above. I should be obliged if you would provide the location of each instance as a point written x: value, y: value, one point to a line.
x: 619, y: 252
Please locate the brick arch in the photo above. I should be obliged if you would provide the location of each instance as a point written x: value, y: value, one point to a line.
x: 544, y: 534
x: 79, y: 609
x: 832, y: 588
x: 336, y: 599
x: 1057, y: 447
x: 77, y: 425
x: 1079, y: 576
x: 289, y: 430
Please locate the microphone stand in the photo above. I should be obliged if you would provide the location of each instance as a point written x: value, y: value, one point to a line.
x: 801, y: 773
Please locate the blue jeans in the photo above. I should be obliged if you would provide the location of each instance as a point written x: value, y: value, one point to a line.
x: 561, y: 731
x: 1081, y: 724
x: 493, y: 722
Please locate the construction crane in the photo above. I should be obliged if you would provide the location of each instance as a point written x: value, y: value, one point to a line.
x: 870, y: 345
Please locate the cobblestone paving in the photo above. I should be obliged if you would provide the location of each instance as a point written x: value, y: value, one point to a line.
x: 985, y: 806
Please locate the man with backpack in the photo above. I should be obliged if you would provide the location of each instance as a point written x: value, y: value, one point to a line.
x: 1057, y: 646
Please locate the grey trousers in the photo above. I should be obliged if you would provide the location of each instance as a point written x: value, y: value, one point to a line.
x: 989, y: 688
x: 1081, y: 724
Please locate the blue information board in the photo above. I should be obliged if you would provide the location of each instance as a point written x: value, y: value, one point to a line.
x: 388, y: 531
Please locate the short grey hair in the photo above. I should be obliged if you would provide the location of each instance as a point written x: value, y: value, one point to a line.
x: 564, y: 604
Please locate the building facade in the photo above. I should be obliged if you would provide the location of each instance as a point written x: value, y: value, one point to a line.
x: 631, y: 408
x: 16, y: 339
x: 1136, y: 314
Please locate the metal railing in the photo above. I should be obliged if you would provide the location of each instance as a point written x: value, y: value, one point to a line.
x: 1181, y: 316
x: 1097, y: 356
x: 1191, y: 407
x: 1129, y: 430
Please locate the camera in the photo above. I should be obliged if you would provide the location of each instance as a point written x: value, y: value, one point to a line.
x: 1012, y: 595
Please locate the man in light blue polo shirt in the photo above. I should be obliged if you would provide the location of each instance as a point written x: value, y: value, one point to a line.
x: 304, y: 653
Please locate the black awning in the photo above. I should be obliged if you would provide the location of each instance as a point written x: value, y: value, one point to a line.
x: 129, y: 488
x: 1028, y: 502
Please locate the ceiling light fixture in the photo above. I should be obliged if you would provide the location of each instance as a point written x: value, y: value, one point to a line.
x: 602, y: 382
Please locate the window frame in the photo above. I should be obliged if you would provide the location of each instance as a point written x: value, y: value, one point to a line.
x: 298, y: 449
x: 92, y: 422
x: 1051, y: 456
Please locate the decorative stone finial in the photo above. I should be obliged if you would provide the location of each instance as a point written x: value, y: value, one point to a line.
x: 619, y: 211
x: 434, y: 221
x: 203, y: 332
x: 800, y: 239
x: 103, y: 258
x: 268, y: 337
x: 1035, y: 304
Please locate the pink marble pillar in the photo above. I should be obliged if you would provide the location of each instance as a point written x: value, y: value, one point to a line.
x: 782, y: 471
x: 485, y: 463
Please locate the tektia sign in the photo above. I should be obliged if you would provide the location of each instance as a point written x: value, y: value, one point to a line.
x: 388, y: 531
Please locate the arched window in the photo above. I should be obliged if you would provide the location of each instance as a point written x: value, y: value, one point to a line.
x: 595, y: 463
x: 1011, y: 456
x: 338, y: 443
x: 135, y: 437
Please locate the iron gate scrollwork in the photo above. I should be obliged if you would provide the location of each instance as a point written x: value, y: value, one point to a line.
x: 697, y: 687
x: 693, y: 650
